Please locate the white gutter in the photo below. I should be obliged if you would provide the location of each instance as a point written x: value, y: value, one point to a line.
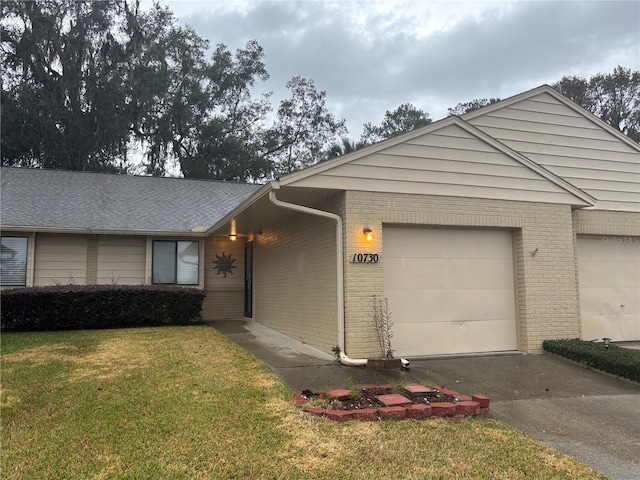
x: 344, y: 359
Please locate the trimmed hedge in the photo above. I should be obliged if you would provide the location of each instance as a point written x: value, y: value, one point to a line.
x: 624, y: 362
x: 75, y: 307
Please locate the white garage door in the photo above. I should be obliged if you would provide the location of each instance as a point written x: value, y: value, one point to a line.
x: 449, y: 290
x: 609, y: 276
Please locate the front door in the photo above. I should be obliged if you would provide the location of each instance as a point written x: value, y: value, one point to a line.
x: 248, y: 280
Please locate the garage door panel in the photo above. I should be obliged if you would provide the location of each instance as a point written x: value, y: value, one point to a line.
x: 617, y: 327
x: 610, y: 301
x: 445, y: 338
x: 449, y: 290
x: 447, y: 305
x: 608, y: 248
x: 609, y: 274
x: 443, y: 243
x: 431, y: 273
x: 609, y: 277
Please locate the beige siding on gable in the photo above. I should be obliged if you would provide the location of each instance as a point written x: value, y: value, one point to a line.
x: 539, y: 112
x: 452, y: 190
x: 571, y: 146
x: 453, y: 137
x: 60, y: 258
x: 500, y: 120
x: 504, y: 181
x: 121, y: 260
x: 447, y: 162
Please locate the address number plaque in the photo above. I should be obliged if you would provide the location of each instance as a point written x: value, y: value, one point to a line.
x: 365, y: 258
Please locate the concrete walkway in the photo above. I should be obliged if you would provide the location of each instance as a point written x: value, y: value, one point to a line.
x: 586, y: 414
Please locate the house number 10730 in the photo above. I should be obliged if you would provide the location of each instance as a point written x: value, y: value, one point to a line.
x: 365, y: 258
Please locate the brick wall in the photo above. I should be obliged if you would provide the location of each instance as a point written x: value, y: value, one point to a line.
x: 546, y: 283
x: 598, y: 222
x: 295, y: 276
x: 295, y: 279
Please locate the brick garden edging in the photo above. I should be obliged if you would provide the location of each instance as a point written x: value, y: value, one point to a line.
x: 398, y: 407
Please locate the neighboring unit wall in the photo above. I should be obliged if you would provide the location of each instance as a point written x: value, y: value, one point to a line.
x: 295, y: 279
x: 100, y: 259
x: 60, y: 259
x: 448, y: 162
x: 546, y: 288
x: 120, y: 260
x: 608, y: 259
x: 225, y: 295
x: 600, y: 222
x: 570, y: 145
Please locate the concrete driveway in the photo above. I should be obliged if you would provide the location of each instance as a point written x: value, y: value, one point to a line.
x: 586, y: 414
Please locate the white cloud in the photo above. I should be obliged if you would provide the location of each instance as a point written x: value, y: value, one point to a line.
x: 372, y: 56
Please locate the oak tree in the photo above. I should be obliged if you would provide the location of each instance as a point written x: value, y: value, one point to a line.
x: 476, y: 104
x: 613, y: 97
x: 303, y: 128
x: 401, y: 120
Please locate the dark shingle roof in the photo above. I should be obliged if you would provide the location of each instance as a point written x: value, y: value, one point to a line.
x: 99, y: 201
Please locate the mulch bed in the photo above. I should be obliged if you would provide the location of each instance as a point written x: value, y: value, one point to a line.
x: 375, y: 402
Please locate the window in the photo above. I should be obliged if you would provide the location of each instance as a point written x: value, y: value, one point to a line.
x: 175, y: 262
x: 13, y: 261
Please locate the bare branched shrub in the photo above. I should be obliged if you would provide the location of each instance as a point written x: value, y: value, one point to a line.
x: 383, y: 326
x: 70, y: 281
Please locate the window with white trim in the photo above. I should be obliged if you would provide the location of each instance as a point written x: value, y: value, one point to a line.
x: 13, y: 261
x: 175, y: 262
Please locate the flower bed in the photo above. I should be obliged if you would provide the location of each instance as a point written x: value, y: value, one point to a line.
x: 378, y: 402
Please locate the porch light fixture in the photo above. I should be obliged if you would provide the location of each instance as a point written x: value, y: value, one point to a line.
x: 368, y: 233
x: 232, y: 235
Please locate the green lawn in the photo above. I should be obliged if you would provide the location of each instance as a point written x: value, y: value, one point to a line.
x: 184, y: 402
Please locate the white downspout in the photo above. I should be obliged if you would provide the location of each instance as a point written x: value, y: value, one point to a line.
x: 344, y: 359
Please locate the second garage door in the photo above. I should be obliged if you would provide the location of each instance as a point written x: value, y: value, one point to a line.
x: 450, y: 291
x: 609, y: 276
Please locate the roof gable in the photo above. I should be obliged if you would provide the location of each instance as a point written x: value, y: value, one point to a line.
x: 565, y: 139
x: 56, y: 199
x: 450, y: 158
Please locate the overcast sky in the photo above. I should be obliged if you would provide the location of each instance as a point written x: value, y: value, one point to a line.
x: 372, y: 56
